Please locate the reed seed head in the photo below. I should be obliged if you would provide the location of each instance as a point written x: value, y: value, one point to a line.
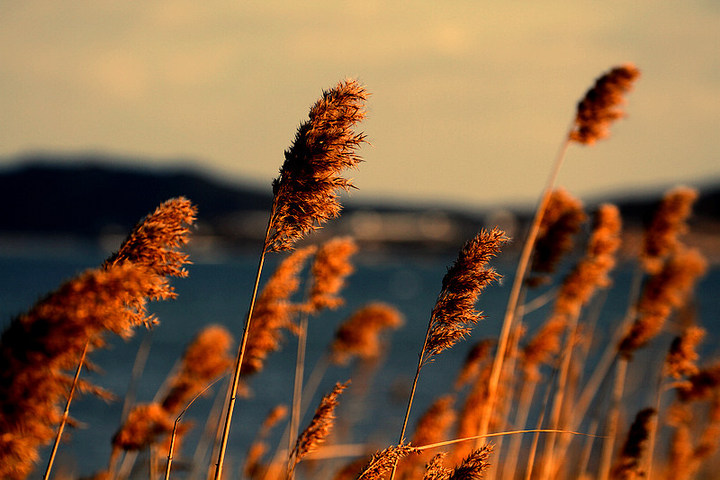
x: 681, y: 360
x: 382, y: 462
x: 592, y: 271
x: 206, y: 358
x: 329, y: 270
x: 305, y: 193
x: 143, y: 426
x: 601, y: 105
x: 561, y: 221
x: 669, y: 222
x: 273, y: 311
x: 473, y: 467
x: 319, y: 428
x: 629, y: 465
x: 665, y: 291
x: 360, y: 335
x: 454, y: 313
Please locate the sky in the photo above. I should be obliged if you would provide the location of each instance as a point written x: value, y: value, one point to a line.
x: 470, y: 101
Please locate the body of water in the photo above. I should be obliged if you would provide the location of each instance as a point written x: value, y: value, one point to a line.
x: 218, y: 290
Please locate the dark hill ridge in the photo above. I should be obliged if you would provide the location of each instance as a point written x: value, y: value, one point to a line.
x: 42, y: 196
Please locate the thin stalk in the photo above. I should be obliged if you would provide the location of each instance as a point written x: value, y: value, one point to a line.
x: 652, y: 434
x: 514, y: 297
x: 527, y: 392
x: 421, y: 359
x: 613, y: 419
x: 540, y: 420
x: 171, y: 450
x: 558, y: 400
x: 297, y: 390
x: 66, y: 413
x: 241, y: 355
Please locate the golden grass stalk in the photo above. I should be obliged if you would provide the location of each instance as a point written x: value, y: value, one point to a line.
x: 594, y: 113
x: 660, y: 238
x: 319, y: 428
x: 629, y: 465
x: 562, y: 220
x: 206, y: 358
x: 305, y: 194
x: 454, y: 313
x: 39, y: 346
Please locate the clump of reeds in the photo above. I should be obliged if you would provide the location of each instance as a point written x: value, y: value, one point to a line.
x: 40, y: 346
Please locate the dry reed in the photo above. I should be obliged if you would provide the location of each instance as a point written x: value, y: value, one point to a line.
x: 661, y: 237
x: 319, y: 428
x: 305, y: 196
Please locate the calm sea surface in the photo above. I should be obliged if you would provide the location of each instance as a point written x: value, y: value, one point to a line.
x: 217, y: 291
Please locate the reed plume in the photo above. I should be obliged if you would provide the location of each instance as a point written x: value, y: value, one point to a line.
x: 665, y: 291
x: 253, y: 465
x: 206, y: 358
x: 661, y: 237
x: 143, y: 426
x: 681, y: 360
x: 384, y: 461
x: 601, y: 105
x: 561, y: 222
x: 273, y: 311
x: 38, y: 348
x: 360, y: 335
x: 629, y: 465
x: 454, y: 313
x: 474, y: 465
x: 305, y: 194
x: 435, y: 468
x: 319, y: 428
x: 329, y: 270
x: 474, y: 361
x: 306, y: 190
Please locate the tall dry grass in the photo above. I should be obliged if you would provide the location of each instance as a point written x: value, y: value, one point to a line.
x: 566, y: 415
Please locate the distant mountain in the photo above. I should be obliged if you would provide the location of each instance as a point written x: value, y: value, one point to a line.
x: 42, y: 196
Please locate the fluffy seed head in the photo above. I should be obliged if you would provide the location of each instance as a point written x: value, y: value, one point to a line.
x: 305, y: 193
x: 601, y: 105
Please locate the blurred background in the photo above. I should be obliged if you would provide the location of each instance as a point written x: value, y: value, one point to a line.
x: 110, y: 108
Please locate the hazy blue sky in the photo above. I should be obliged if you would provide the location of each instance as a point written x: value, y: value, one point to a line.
x: 470, y: 98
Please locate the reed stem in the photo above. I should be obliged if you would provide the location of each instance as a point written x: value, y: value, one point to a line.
x: 514, y: 297
x: 421, y: 358
x: 297, y: 389
x: 66, y: 413
x: 241, y: 354
x: 613, y: 419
